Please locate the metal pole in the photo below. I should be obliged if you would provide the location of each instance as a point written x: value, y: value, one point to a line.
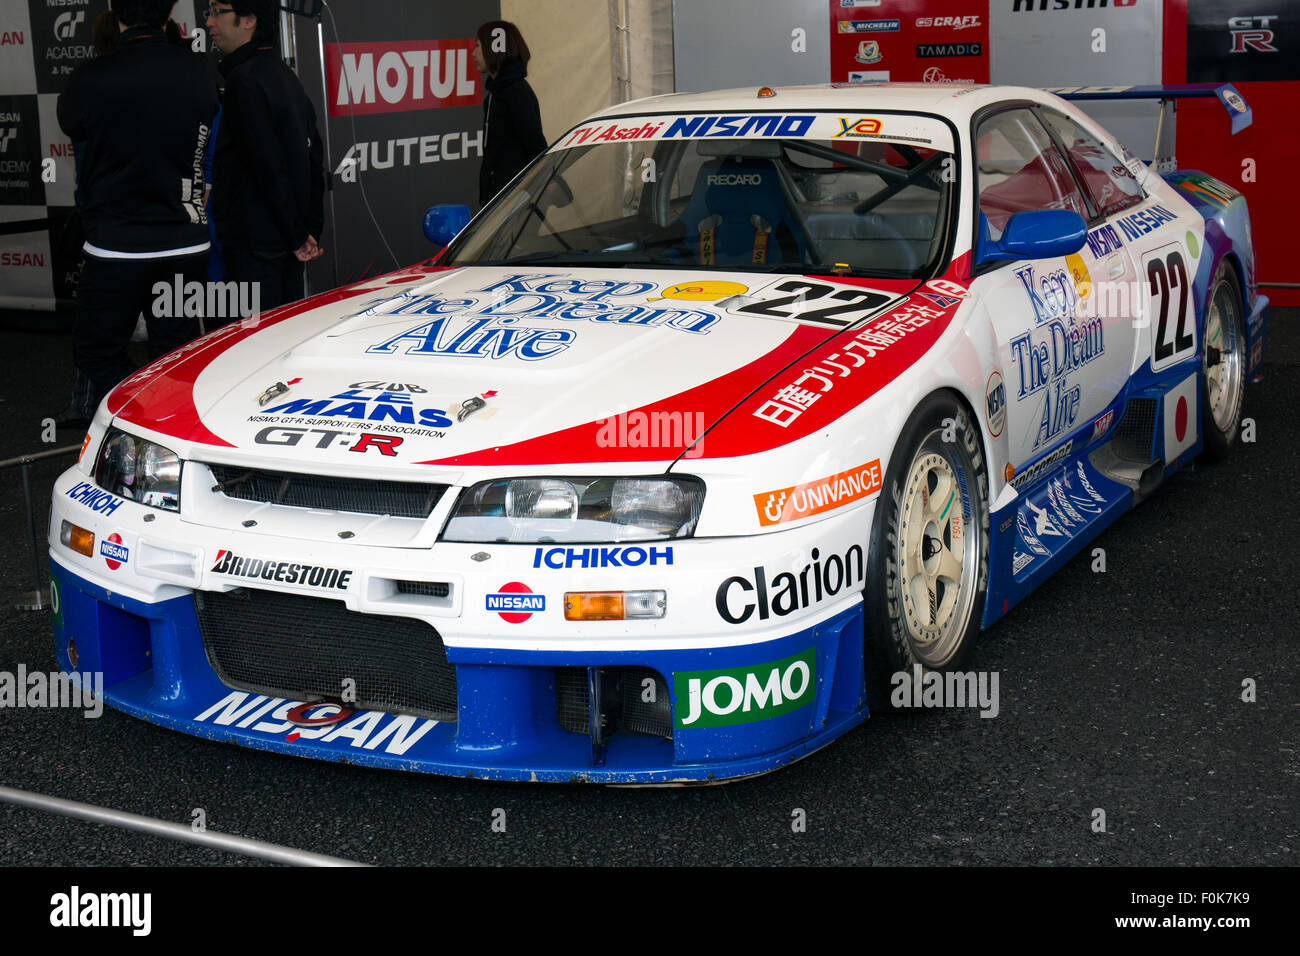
x: 34, y: 600
x: 38, y: 599
x: 173, y: 831
x: 329, y: 163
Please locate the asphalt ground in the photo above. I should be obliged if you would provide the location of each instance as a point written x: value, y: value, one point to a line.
x: 1119, y: 691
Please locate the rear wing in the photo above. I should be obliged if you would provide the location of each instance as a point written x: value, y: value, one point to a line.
x: 1239, y: 114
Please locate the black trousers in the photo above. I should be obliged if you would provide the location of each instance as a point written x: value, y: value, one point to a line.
x: 279, y: 279
x: 111, y: 295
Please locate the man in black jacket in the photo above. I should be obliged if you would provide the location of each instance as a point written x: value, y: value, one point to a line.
x: 143, y: 112
x: 268, y: 177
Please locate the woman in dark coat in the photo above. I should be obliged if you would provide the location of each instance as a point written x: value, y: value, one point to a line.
x: 512, y: 120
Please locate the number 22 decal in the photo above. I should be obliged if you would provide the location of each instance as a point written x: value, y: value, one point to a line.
x: 1174, y: 336
x: 853, y: 304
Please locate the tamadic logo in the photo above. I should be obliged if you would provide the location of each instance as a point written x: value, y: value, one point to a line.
x: 400, y: 75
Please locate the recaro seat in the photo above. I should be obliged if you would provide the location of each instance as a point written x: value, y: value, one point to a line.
x: 737, y: 211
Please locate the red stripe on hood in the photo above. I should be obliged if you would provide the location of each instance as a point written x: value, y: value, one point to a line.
x: 712, y: 399
x: 160, y: 396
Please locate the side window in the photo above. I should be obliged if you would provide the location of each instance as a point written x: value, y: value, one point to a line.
x: 1019, y: 169
x: 1106, y: 177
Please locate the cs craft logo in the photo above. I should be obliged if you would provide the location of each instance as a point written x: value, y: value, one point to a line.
x: 952, y: 23
x: 515, y: 602
x: 741, y: 695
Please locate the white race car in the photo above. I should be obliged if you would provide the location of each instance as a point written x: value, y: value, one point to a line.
x: 729, y: 409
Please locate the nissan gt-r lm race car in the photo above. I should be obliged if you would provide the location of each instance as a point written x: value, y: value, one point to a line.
x: 730, y: 411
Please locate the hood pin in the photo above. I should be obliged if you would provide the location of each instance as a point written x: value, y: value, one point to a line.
x: 279, y: 388
x: 473, y: 404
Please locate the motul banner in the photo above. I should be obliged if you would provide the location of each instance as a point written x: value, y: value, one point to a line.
x: 369, y: 78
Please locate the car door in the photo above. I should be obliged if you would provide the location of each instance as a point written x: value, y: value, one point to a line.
x: 1064, y: 349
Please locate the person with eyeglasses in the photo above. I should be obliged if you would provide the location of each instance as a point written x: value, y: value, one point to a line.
x: 268, y: 171
x: 142, y: 113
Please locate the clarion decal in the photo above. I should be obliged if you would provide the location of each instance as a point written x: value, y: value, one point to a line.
x: 788, y: 591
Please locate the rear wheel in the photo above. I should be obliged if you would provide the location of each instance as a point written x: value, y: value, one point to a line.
x: 1224, y: 366
x: 928, y: 565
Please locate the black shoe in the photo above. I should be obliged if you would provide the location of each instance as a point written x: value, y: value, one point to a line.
x: 72, y: 418
x: 81, y: 407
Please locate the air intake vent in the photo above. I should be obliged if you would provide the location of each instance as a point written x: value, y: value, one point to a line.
x: 438, y: 589
x: 399, y: 499
x: 1135, y: 433
x: 634, y: 700
x: 304, y: 648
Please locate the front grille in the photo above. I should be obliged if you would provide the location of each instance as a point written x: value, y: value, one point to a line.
x: 1136, y: 430
x: 438, y: 589
x: 641, y: 716
x: 622, y: 705
x: 304, y: 648
x: 399, y: 499
x: 571, y: 699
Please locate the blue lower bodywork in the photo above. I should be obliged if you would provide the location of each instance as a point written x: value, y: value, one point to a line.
x: 1072, y: 492
x: 155, y: 667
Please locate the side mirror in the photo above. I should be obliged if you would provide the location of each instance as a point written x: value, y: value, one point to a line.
x: 444, y: 221
x: 1034, y: 234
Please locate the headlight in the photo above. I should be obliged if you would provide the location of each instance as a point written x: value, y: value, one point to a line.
x: 577, y: 509
x: 140, y: 471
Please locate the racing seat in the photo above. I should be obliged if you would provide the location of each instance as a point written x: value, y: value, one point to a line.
x: 738, y: 209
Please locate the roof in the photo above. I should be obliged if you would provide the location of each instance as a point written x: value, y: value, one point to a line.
x: 956, y: 102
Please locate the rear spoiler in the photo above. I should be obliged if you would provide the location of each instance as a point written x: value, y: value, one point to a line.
x: 1239, y: 114
x: 1225, y: 93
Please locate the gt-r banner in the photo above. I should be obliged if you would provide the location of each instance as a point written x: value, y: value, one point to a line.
x: 910, y: 41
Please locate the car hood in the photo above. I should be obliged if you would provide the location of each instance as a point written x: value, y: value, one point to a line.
x: 484, y: 365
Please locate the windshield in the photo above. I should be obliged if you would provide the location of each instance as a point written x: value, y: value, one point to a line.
x: 853, y: 195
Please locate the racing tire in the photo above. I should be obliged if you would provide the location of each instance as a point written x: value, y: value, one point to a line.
x: 926, y: 585
x: 1223, y: 366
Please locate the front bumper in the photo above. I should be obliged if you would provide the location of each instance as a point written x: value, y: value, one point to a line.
x: 155, y: 667
x: 754, y: 678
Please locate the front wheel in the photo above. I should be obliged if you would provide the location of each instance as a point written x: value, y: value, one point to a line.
x: 928, y: 564
x: 1224, y: 367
